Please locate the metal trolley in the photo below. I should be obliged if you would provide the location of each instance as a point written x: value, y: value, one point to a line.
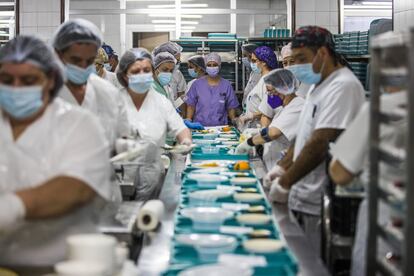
x: 392, y: 67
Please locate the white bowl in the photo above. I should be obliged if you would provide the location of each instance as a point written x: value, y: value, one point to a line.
x: 216, y: 270
x: 263, y: 245
x: 80, y: 268
x: 202, y: 197
x: 207, y: 218
x: 253, y: 219
x: 248, y: 197
x: 243, y: 181
x: 209, y: 246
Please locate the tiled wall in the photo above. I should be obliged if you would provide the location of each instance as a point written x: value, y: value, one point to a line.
x: 403, y: 14
x: 39, y: 17
x: 323, y: 13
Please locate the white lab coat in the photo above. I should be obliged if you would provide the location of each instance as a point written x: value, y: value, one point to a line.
x: 103, y: 100
x: 353, y: 154
x: 156, y: 117
x: 64, y: 141
x: 111, y: 77
x: 252, y: 82
x: 253, y: 101
x: 177, y: 84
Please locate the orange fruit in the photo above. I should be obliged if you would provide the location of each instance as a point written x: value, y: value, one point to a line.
x: 242, y: 166
x: 226, y: 129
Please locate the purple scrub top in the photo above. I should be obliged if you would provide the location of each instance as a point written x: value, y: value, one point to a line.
x: 211, y: 103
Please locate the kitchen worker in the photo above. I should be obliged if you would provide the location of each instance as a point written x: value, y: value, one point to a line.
x: 112, y: 58
x: 263, y: 61
x: 150, y: 114
x: 330, y: 107
x: 54, y: 159
x: 254, y: 77
x: 164, y: 64
x: 77, y: 42
x: 287, y: 61
x: 350, y: 162
x: 100, y: 61
x: 177, y: 85
x: 196, y: 69
x: 211, y: 100
x: 283, y: 127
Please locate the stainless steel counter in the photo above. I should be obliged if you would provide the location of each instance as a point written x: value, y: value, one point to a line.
x: 155, y: 255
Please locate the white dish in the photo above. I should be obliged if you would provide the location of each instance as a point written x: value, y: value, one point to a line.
x: 203, y: 141
x: 248, y: 197
x: 263, y: 245
x: 228, y: 135
x: 253, y: 219
x: 80, y: 268
x: 242, y: 181
x: 209, y: 163
x: 206, y: 240
x: 216, y: 270
x: 207, y: 218
x: 230, y: 143
x: 209, y: 170
x: 207, y: 178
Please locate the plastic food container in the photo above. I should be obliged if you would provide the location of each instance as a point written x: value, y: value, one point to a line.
x: 207, y: 180
x: 207, y: 218
x: 210, y: 150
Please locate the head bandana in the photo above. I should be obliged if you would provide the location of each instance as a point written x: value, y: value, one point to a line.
x: 267, y: 55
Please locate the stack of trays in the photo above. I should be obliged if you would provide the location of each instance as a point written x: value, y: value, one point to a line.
x: 224, y: 218
x: 352, y: 43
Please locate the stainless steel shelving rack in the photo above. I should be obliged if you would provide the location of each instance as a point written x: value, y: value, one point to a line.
x: 392, y: 66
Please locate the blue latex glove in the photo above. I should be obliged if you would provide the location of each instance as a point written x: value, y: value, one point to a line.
x: 193, y: 125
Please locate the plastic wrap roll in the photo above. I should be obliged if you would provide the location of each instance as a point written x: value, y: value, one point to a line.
x: 150, y: 215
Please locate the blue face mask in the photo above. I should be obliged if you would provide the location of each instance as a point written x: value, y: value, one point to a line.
x: 21, y: 102
x: 304, y: 73
x: 164, y: 78
x: 246, y: 62
x: 192, y: 73
x: 108, y: 67
x: 274, y: 101
x: 140, y: 83
x: 255, y: 68
x: 78, y: 75
x: 213, y: 71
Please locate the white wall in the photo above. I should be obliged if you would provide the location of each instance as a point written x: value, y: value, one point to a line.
x: 323, y: 13
x: 39, y: 17
x: 403, y: 14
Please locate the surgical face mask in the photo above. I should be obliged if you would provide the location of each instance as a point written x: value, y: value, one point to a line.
x: 108, y: 67
x: 304, y: 73
x: 274, y: 101
x: 21, y: 102
x: 192, y: 72
x: 140, y: 83
x: 79, y: 75
x: 255, y: 68
x: 213, y: 71
x: 246, y: 62
x: 164, y: 78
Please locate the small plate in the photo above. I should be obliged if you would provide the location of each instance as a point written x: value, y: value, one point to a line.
x: 230, y: 143
x: 216, y: 270
x: 207, y: 214
x: 243, y: 181
x: 248, y: 197
x: 253, y: 219
x: 209, y: 170
x: 206, y: 240
x: 207, y: 178
x: 211, y: 194
x: 263, y: 245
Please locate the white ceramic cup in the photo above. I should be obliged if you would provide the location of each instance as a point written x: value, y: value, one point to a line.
x: 79, y: 268
x: 93, y: 248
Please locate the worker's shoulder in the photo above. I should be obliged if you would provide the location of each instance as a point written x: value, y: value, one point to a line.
x: 345, y: 81
x: 63, y: 111
x: 103, y: 86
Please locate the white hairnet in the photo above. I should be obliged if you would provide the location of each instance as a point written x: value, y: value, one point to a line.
x: 198, y: 60
x: 170, y: 47
x: 76, y: 31
x: 213, y: 57
x: 129, y: 58
x: 28, y: 49
x: 162, y: 58
x: 282, y: 80
x: 286, y: 50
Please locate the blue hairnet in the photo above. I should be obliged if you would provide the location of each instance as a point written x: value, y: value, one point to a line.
x: 28, y: 49
x: 282, y: 80
x: 108, y: 50
x: 76, y: 31
x: 162, y: 58
x: 170, y: 47
x: 129, y: 58
x: 198, y: 60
